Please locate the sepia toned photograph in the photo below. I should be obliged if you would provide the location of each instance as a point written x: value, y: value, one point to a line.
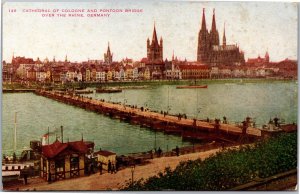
x: 149, y: 96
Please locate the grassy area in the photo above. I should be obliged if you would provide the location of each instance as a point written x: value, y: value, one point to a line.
x: 227, y: 169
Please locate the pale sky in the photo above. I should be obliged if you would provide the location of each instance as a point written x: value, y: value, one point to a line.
x: 254, y: 26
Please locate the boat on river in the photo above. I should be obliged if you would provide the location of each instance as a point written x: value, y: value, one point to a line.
x: 13, y: 171
x: 108, y: 90
x: 191, y: 86
x: 84, y: 91
x: 277, y: 124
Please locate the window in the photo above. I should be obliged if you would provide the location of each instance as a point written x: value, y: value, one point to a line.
x: 74, y: 162
x: 60, y: 165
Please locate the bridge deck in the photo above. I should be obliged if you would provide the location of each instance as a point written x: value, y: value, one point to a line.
x: 228, y: 128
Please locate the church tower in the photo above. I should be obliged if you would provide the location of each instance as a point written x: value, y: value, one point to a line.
x: 155, y: 49
x: 203, y: 41
x: 66, y: 58
x: 224, y: 38
x: 267, y: 57
x: 108, y: 56
x: 13, y: 58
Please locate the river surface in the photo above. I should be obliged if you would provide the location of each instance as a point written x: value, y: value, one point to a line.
x: 261, y: 101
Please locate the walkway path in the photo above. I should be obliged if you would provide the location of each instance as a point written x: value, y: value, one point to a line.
x: 114, y: 181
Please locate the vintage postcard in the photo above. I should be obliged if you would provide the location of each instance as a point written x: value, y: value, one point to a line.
x: 149, y: 96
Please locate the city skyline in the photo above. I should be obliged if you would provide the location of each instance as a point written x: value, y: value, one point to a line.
x: 86, y: 38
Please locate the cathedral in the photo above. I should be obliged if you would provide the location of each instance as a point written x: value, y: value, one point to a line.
x: 155, y: 49
x: 211, y: 52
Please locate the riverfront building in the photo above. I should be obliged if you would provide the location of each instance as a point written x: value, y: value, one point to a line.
x: 259, y: 61
x: 64, y: 160
x: 210, y: 51
x: 195, y: 71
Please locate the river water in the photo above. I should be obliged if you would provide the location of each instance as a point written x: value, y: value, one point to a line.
x: 261, y: 101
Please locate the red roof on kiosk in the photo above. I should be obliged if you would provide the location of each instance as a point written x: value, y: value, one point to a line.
x: 105, y: 153
x: 52, y: 150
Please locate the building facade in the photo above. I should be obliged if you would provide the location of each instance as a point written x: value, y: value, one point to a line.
x: 211, y: 52
x: 194, y: 71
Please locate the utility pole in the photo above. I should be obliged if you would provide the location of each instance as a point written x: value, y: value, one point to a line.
x: 15, y: 137
x: 62, y: 134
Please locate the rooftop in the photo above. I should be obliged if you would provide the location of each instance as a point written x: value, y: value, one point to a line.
x: 52, y: 150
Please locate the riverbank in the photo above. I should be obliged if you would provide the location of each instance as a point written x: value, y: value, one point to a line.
x: 109, y: 181
x: 17, y: 90
x: 141, y: 83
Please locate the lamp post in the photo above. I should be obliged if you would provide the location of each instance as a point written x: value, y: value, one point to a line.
x: 124, y: 96
x: 168, y: 98
x: 132, y: 171
x: 167, y: 143
x: 155, y: 140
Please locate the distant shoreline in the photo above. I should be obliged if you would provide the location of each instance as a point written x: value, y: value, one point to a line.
x: 17, y: 85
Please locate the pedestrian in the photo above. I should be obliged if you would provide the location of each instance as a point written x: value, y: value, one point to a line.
x: 49, y: 178
x: 117, y: 166
x: 112, y: 169
x: 109, y: 166
x: 224, y: 120
x: 25, y: 178
x: 177, y: 151
x: 159, y: 152
x: 100, y: 168
x: 92, y: 168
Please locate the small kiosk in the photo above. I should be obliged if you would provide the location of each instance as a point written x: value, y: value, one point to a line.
x: 104, y: 156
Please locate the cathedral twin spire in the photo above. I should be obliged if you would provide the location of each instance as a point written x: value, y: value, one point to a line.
x: 211, y: 50
x: 213, y: 25
x: 214, y: 34
x: 203, y: 27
